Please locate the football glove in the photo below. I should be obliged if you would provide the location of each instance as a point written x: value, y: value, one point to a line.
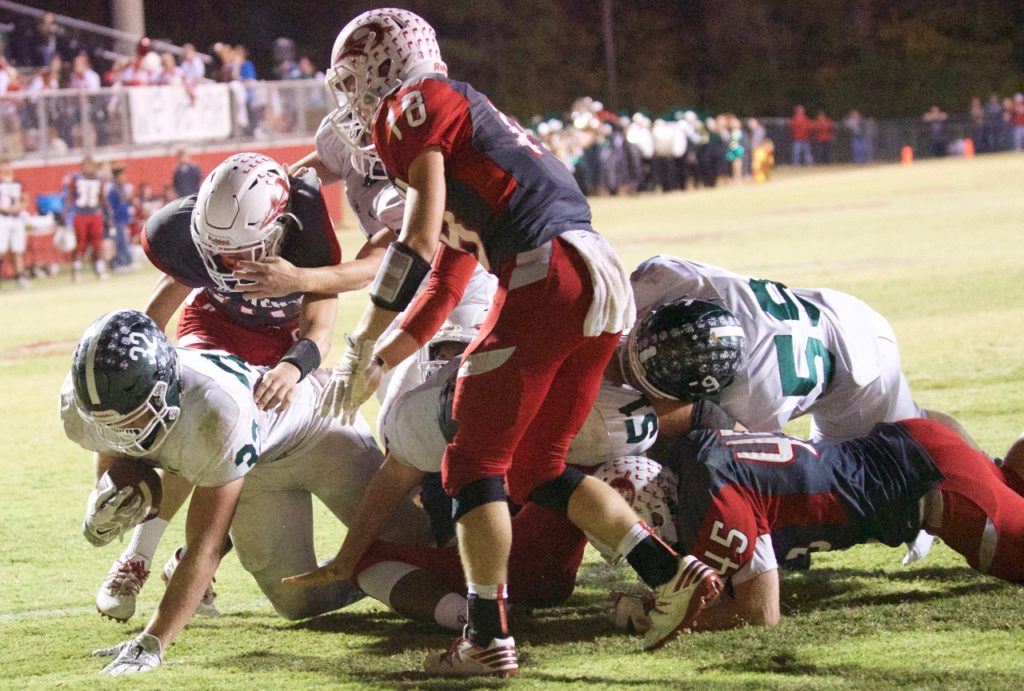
x: 141, y: 654
x: 352, y: 382
x: 110, y: 512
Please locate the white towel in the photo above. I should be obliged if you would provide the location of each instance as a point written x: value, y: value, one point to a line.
x: 612, y: 310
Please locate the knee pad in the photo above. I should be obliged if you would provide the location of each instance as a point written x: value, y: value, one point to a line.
x: 483, y: 491
x: 554, y: 494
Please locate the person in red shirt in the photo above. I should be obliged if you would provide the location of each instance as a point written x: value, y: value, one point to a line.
x: 478, y: 183
x: 823, y: 131
x: 800, y: 127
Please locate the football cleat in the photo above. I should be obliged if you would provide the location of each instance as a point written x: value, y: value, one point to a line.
x: 116, y: 596
x: 208, y: 605
x: 918, y: 548
x: 467, y: 659
x: 678, y: 603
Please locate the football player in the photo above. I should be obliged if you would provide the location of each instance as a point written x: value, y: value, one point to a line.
x: 792, y: 351
x: 246, y: 209
x: 477, y: 182
x: 748, y: 501
x: 12, y: 222
x: 191, y: 412
x: 87, y: 211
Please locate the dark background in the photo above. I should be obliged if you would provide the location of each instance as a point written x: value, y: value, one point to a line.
x: 892, y: 58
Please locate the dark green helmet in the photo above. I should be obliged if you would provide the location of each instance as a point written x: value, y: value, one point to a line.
x: 685, y: 349
x: 125, y: 377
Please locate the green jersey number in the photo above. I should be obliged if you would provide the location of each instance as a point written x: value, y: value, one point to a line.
x: 648, y: 426
x: 235, y: 366
x: 248, y: 453
x: 779, y: 301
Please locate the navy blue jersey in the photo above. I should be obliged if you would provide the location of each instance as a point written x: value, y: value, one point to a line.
x: 505, y: 192
x: 734, y: 487
x: 167, y: 241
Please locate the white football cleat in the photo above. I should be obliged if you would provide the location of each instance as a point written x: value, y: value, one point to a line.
x: 919, y: 548
x: 116, y: 596
x: 678, y: 603
x: 467, y: 659
x: 208, y: 605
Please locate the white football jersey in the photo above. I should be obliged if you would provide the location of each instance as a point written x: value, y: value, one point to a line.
x: 621, y: 423
x: 220, y: 434
x: 377, y: 204
x: 10, y: 194
x: 798, y: 341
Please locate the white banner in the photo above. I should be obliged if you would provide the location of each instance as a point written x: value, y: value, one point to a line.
x: 170, y: 114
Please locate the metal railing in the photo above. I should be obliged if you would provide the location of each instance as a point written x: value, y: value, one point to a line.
x: 65, y: 124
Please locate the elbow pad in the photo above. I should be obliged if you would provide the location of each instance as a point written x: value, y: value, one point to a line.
x: 398, y: 278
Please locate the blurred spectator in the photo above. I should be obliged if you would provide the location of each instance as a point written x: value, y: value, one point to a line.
x: 823, y: 132
x: 757, y: 136
x: 82, y: 74
x: 1018, y: 122
x: 12, y: 222
x: 663, y: 172
x: 283, y: 54
x: 187, y: 176
x: 800, y: 128
x: 47, y: 40
x: 10, y: 116
x: 1006, y: 128
x: 855, y: 125
x: 936, y: 119
x: 977, y: 113
x: 192, y: 67
x: 170, y: 74
x: 308, y: 70
x: 735, y: 148
x: 993, y: 123
x: 119, y: 200
x: 144, y: 69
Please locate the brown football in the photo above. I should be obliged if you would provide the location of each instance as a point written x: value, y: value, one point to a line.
x: 126, y: 472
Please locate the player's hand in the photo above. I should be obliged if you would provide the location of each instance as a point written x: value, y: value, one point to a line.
x: 141, y: 654
x: 353, y: 381
x: 631, y: 612
x: 276, y: 388
x: 110, y: 512
x: 331, y: 572
x: 270, y: 277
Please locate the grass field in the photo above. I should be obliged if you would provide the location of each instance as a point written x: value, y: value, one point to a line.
x: 937, y: 248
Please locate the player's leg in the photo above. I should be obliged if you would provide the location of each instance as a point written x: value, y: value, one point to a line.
x: 973, y: 509
x: 273, y: 534
x: 19, y: 242
x: 95, y: 237
x: 117, y: 594
x: 337, y: 471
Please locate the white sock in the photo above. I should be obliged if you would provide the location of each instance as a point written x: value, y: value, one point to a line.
x: 634, y: 537
x: 488, y: 592
x: 379, y: 580
x: 145, y: 540
x: 450, y: 611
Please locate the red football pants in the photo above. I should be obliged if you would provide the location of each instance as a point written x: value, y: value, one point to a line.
x: 530, y: 377
x: 982, y: 508
x: 89, y: 233
x: 546, y: 553
x: 206, y: 328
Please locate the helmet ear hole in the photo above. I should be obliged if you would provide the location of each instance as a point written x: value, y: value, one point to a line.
x: 384, y: 69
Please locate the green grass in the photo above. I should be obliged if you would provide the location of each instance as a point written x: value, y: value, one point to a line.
x: 935, y: 247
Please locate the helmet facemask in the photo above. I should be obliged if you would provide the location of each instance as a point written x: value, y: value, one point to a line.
x: 213, y: 249
x: 353, y: 130
x: 141, y: 431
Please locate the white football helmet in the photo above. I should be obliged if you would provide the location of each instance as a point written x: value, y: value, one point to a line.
x: 374, y: 53
x: 241, y: 213
x: 651, y: 489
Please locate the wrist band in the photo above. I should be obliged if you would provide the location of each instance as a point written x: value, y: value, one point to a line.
x: 305, y: 355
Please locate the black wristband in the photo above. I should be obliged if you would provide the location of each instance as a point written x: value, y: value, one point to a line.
x: 305, y: 355
x: 398, y: 277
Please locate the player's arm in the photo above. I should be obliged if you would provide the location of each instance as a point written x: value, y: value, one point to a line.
x: 312, y: 160
x: 753, y: 602
x: 166, y: 298
x: 405, y: 265
x: 316, y: 324
x: 387, y: 488
x: 275, y: 276
x: 206, y: 528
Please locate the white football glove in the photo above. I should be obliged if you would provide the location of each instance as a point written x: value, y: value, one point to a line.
x: 141, y: 654
x: 352, y: 382
x: 110, y: 512
x: 631, y: 612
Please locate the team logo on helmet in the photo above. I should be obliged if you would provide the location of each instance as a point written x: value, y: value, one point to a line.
x: 684, y: 350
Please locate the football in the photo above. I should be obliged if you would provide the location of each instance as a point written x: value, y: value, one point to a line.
x: 126, y: 472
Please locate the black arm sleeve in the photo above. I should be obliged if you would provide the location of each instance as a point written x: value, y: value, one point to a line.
x: 707, y: 415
